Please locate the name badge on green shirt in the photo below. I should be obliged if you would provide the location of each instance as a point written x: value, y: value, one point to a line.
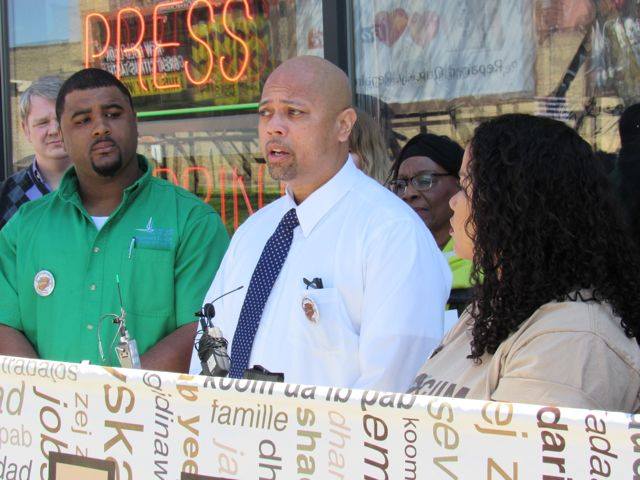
x: 153, y: 237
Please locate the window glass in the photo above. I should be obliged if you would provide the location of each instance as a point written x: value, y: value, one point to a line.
x: 445, y: 65
x: 195, y: 69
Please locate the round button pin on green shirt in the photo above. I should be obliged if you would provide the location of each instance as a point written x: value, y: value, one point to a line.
x: 44, y: 283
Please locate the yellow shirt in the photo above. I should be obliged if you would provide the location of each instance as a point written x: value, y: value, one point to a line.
x: 460, y: 267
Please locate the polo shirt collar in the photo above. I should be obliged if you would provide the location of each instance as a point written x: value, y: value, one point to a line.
x: 136, y: 187
x: 68, y: 190
x: 320, y: 202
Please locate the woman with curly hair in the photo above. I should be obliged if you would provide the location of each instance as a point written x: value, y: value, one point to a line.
x: 556, y: 319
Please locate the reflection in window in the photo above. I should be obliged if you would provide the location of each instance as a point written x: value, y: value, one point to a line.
x: 445, y: 65
x: 195, y: 69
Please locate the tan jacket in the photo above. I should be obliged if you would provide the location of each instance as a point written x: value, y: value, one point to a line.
x: 570, y: 354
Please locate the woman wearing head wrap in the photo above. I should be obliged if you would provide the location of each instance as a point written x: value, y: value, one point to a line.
x: 556, y: 320
x: 425, y: 176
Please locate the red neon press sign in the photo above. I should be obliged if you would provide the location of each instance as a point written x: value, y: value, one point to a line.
x: 150, y: 43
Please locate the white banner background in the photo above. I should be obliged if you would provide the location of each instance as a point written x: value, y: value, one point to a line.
x: 157, y: 425
x: 416, y: 50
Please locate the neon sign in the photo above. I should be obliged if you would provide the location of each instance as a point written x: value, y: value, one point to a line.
x: 238, y: 187
x: 136, y: 46
x: 204, y: 44
x: 179, y: 45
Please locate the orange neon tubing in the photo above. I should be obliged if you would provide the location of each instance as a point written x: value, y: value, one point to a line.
x: 158, y: 45
x: 232, y: 34
x: 207, y: 175
x: 223, y: 194
x: 170, y: 173
x: 136, y: 46
x: 234, y: 190
x: 206, y: 77
x: 87, y: 37
x: 243, y: 190
x: 260, y: 185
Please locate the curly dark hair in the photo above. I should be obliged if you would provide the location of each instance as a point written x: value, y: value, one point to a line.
x: 629, y: 168
x: 629, y: 186
x: 545, y: 225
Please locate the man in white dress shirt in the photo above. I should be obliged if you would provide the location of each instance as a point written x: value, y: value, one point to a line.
x: 375, y: 309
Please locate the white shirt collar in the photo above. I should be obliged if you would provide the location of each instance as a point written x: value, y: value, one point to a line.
x: 318, y: 204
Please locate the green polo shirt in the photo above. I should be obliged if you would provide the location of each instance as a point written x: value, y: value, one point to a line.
x: 162, y: 242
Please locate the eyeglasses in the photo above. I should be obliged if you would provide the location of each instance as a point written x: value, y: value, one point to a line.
x: 421, y: 182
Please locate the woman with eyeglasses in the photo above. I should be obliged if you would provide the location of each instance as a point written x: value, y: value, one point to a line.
x: 556, y: 320
x: 425, y: 176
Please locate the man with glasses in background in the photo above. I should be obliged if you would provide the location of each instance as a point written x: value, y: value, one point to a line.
x: 40, y: 126
x: 425, y: 176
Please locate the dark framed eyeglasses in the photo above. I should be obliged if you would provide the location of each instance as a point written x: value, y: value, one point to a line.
x: 421, y: 182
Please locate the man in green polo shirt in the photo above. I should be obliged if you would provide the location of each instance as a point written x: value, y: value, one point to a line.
x: 111, y: 237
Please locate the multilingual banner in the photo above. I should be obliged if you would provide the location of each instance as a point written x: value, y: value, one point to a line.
x: 79, y: 422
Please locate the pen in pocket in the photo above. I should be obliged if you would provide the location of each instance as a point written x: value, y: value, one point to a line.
x: 131, y: 245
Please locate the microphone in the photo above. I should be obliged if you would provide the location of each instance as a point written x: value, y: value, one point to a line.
x: 127, y: 348
x: 212, y: 346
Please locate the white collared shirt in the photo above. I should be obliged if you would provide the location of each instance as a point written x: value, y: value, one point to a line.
x: 385, y: 287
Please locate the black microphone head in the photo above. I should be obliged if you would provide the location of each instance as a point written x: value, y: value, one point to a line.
x: 209, y: 310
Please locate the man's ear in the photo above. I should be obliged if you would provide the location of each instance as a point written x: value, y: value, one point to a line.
x: 346, y: 119
x: 25, y: 128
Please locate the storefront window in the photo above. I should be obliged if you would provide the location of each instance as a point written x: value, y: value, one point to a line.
x: 445, y: 65
x: 195, y: 69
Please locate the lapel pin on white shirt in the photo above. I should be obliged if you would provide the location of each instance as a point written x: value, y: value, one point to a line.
x: 309, y: 307
x: 44, y: 283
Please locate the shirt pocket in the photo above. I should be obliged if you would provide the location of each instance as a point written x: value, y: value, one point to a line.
x: 332, y: 330
x: 148, y: 281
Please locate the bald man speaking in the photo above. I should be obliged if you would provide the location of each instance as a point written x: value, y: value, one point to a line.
x: 343, y: 284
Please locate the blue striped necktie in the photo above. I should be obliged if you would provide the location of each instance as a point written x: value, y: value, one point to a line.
x: 264, y: 277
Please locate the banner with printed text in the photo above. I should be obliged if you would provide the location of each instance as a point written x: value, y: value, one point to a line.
x: 75, y: 422
x: 413, y: 51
